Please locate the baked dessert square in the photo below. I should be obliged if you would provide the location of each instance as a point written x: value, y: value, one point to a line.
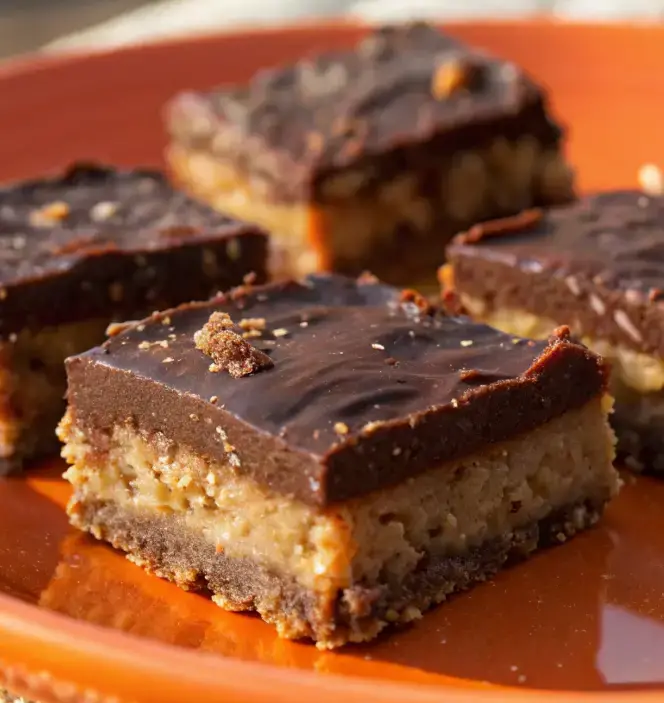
x: 596, y: 265
x: 363, y: 159
x: 82, y: 249
x: 333, y: 454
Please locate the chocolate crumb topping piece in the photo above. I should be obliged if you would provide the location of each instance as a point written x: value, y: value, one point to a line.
x: 229, y: 350
x: 453, y: 75
x: 401, y: 86
x: 302, y: 428
x: 97, y: 242
x: 598, y: 262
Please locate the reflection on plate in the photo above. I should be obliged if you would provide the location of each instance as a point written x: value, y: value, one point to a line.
x: 565, y: 615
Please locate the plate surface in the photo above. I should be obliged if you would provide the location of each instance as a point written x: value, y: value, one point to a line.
x: 575, y: 621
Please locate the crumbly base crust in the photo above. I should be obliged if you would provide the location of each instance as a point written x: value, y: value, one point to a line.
x: 164, y: 546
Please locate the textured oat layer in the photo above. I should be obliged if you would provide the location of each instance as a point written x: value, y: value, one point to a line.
x: 165, y: 546
x: 347, y: 232
x: 341, y: 573
x: 637, y: 384
x: 32, y: 387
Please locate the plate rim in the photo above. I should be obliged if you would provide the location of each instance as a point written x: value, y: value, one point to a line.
x: 48, y: 641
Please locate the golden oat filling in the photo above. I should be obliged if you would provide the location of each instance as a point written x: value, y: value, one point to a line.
x: 335, y: 455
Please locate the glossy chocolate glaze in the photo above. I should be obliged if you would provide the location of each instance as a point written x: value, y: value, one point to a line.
x: 599, y: 262
x: 98, y: 242
x: 365, y: 390
x: 332, y: 110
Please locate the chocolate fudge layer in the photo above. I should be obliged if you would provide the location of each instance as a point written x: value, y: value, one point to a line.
x: 597, y: 265
x: 335, y: 455
x: 82, y: 249
x: 353, y: 160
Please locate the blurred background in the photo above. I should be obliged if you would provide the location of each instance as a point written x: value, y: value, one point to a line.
x: 61, y: 25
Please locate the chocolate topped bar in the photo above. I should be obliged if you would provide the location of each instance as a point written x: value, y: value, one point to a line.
x: 96, y: 241
x: 366, y: 386
x: 399, y: 86
x: 598, y: 263
x: 362, y: 159
x: 80, y: 250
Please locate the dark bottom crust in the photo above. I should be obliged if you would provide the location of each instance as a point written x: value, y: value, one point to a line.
x: 163, y: 545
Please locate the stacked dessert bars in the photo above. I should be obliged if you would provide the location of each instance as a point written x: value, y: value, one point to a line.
x: 328, y: 450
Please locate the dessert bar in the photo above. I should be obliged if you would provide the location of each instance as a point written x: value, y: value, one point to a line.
x: 598, y: 266
x: 80, y: 250
x: 334, y: 454
x: 357, y: 160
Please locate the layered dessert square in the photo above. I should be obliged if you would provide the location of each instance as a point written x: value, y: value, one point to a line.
x: 596, y: 265
x: 360, y: 160
x: 82, y: 249
x: 333, y: 454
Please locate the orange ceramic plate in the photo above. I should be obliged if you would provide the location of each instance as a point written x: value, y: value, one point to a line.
x: 576, y: 623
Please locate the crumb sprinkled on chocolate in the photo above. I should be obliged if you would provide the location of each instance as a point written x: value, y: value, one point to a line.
x: 377, y: 346
x: 413, y: 297
x: 116, y: 328
x: 280, y: 332
x: 49, y: 215
x: 466, y: 342
x: 228, y: 350
x: 563, y: 332
x: 103, y: 211
x: 252, y: 323
x: 367, y: 278
x: 451, y: 77
x: 341, y: 428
